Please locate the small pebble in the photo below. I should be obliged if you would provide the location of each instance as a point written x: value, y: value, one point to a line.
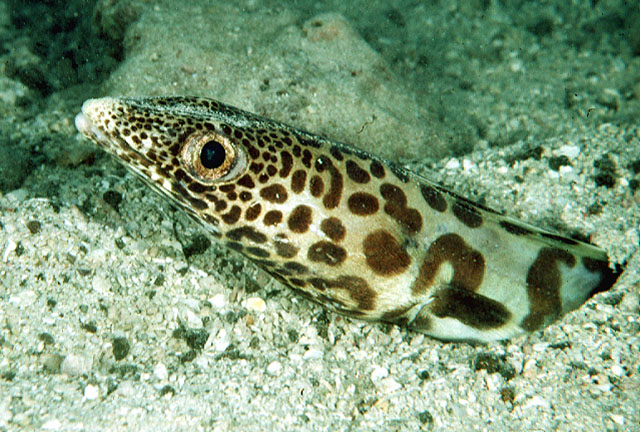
x: 569, y: 151
x: 53, y: 424
x: 389, y: 385
x: 218, y: 301
x: 160, y: 371
x: 274, y: 368
x: 91, y: 392
x: 313, y: 354
x: 453, y: 164
x: 75, y: 365
x: 255, y: 304
x: 379, y: 373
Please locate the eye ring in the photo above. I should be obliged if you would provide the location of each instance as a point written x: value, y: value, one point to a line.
x: 211, y: 157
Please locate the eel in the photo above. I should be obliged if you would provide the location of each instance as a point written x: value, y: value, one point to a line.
x: 355, y: 233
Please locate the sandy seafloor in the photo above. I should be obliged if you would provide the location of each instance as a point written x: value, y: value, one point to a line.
x: 114, y: 313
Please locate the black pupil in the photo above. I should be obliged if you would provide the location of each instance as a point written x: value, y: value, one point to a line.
x: 212, y: 155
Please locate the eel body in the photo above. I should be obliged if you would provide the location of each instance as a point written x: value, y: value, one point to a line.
x: 351, y: 231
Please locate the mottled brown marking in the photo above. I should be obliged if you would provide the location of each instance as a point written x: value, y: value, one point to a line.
x: 248, y: 232
x: 363, y: 204
x: 397, y: 315
x: 434, y: 198
x: 334, y: 194
x: 358, y: 289
x: 544, y: 281
x: 272, y: 170
x: 232, y: 215
x: 469, y: 308
x: 298, y: 180
x: 272, y: 217
x: 467, y: 214
x: 245, y: 196
x: 300, y: 219
x: 396, y: 207
x: 283, y: 247
x: 275, y: 193
x: 384, y: 254
x: 253, y: 212
x: 333, y: 228
x: 468, y: 264
x: 316, y: 186
x: 326, y: 252
x: 356, y: 173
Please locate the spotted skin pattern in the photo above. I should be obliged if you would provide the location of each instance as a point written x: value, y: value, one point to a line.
x: 355, y: 233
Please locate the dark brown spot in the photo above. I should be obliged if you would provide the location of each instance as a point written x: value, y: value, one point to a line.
x: 238, y: 247
x: 468, y: 264
x: 272, y: 170
x: 287, y: 164
x: 362, y: 204
x: 335, y: 152
x: 250, y: 233
x: 246, y: 181
x: 396, y: 207
x: 253, y: 212
x: 256, y: 167
x: 295, y: 267
x: 467, y: 214
x: 232, y: 215
x: 254, y: 153
x: 300, y: 219
x: 245, y: 196
x: 316, y: 186
x: 333, y: 196
x: 333, y: 228
x: 198, y: 203
x: 256, y: 251
x: 544, y: 281
x: 384, y: 255
x: 469, y: 308
x: 298, y: 180
x: 275, y: 193
x: 306, y: 158
x: 356, y: 173
x: 283, y: 247
x: 377, y: 170
x: 515, y: 229
x: 434, y: 198
x: 298, y: 282
x: 326, y: 252
x: 272, y: 217
x: 196, y: 187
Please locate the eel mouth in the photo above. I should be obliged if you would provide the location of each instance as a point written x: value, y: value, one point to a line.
x: 85, y: 122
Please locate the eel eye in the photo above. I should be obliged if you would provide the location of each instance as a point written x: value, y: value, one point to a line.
x: 211, y: 157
